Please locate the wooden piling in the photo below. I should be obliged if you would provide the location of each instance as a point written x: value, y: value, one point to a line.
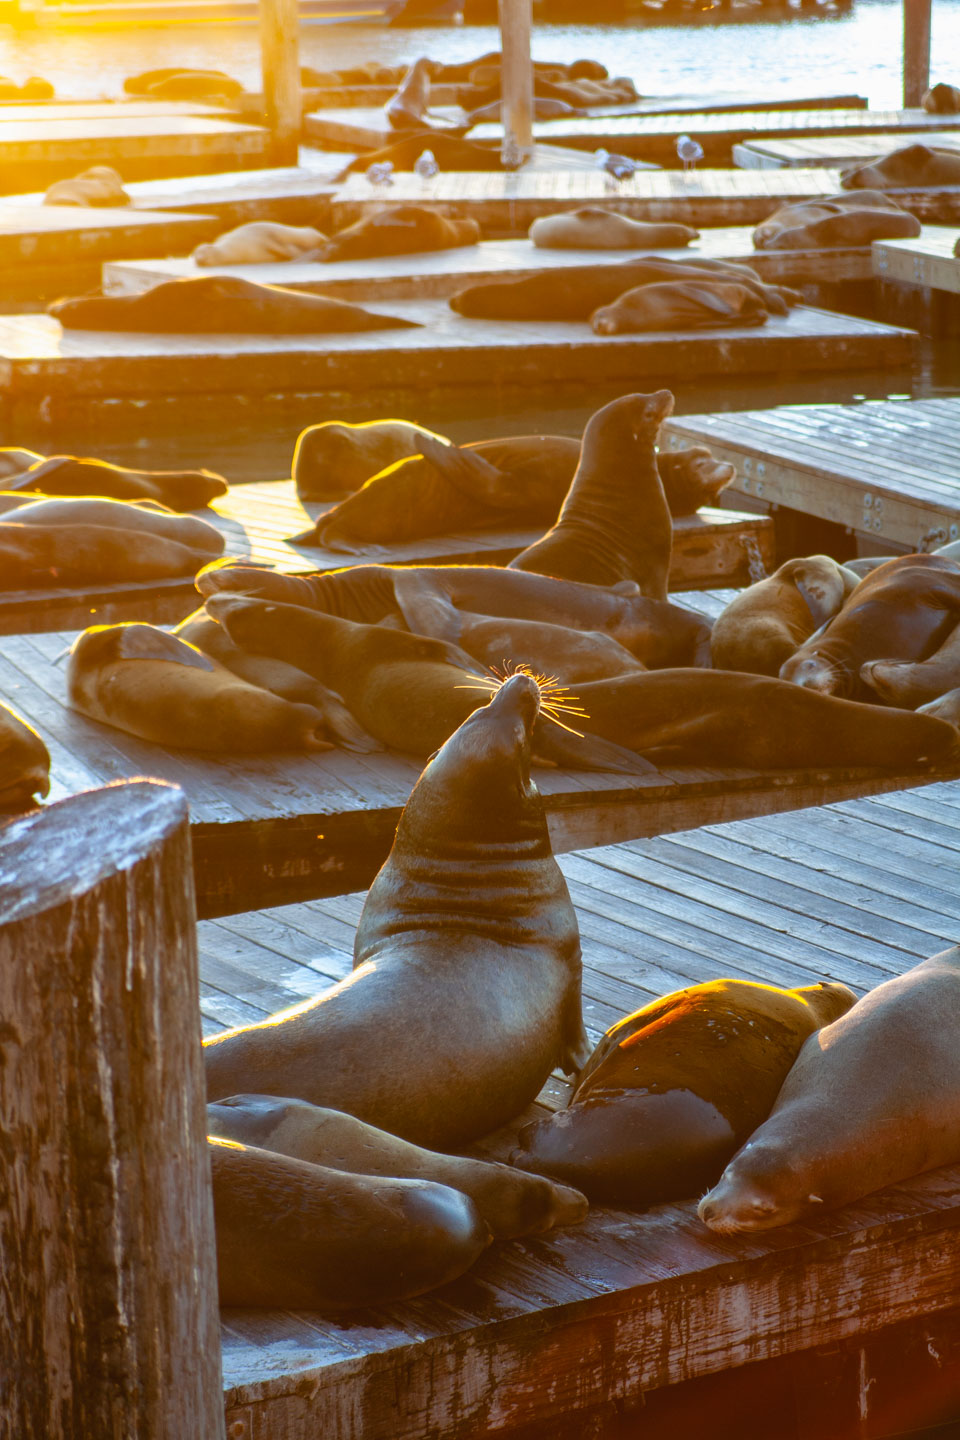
x: 108, y: 1307
x: 280, y: 62
x: 916, y: 51
x: 516, y: 82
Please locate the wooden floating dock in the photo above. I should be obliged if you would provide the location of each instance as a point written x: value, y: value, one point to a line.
x: 929, y: 260
x: 710, y: 548
x: 371, y: 96
x: 41, y: 363
x: 834, y: 151
x: 279, y: 828
x: 599, y: 1316
x: 890, y: 468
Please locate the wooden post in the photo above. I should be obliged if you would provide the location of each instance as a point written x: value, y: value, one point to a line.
x: 516, y: 83
x: 916, y: 51
x: 109, y: 1325
x: 280, y: 62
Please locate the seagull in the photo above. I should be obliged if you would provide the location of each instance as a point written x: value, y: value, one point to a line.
x: 689, y: 151
x: 381, y: 173
x: 426, y: 166
x: 620, y: 167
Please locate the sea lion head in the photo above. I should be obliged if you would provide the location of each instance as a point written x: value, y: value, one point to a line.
x: 815, y: 671
x: 757, y: 1191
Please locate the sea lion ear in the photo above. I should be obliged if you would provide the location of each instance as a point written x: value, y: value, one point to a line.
x: 145, y: 642
x: 626, y: 587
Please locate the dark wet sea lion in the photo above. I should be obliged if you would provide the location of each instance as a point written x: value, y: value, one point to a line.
x: 220, y: 305
x: 679, y: 305
x: 903, y: 610
x: 459, y: 1005
x: 399, y: 230
x: 672, y: 1091
x: 259, y: 242
x: 872, y: 1100
x: 764, y: 624
x: 335, y: 458
x: 615, y: 523
x: 511, y: 1202
x: 195, y: 85
x: 912, y: 165
x: 593, y: 227
x: 142, y: 83
x: 294, y: 1236
x: 24, y: 763
x: 67, y: 475
x: 805, y: 213
x: 156, y: 686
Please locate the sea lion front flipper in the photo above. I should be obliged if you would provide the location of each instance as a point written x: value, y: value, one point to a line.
x: 585, y: 752
x: 426, y: 609
x: 468, y: 472
x: 137, y: 641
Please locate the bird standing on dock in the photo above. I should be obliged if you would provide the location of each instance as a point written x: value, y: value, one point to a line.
x: 689, y: 151
x: 381, y: 173
x: 618, y: 167
x: 426, y: 166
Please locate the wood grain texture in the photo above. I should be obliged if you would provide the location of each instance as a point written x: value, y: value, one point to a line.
x: 771, y: 152
x: 929, y: 260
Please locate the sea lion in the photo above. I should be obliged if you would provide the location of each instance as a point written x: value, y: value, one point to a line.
x: 912, y: 165
x: 543, y: 109
x: 510, y: 1202
x: 67, y: 475
x: 615, y: 523
x: 195, y: 85
x: 720, y: 717
x: 399, y: 230
x: 691, y: 478
x: 903, y: 610
x: 139, y: 516
x: 428, y: 599
x: 763, y: 625
x: 97, y: 186
x: 144, y: 82
x: 849, y: 228
x: 335, y: 458
x: 942, y: 100
x: 460, y: 1003
x: 294, y: 1236
x: 679, y: 305
x: 796, y: 218
x: 258, y: 243
x: 221, y: 305
x: 945, y: 707
x: 910, y: 684
x: 571, y: 656
x: 592, y: 227
x: 872, y: 1099
x: 672, y: 1091
x: 450, y: 152
x: 63, y: 554
x: 24, y: 763
x: 156, y: 686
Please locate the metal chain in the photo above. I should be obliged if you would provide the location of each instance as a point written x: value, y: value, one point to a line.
x: 756, y: 569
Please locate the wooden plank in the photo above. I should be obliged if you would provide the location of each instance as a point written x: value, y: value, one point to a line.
x: 771, y: 152
x: 371, y: 96
x: 889, y: 468
x: 929, y: 260
x: 58, y: 234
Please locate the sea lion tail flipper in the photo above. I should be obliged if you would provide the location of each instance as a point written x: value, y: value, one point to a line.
x: 465, y: 470
x: 426, y: 609
x: 348, y: 733
x: 585, y: 752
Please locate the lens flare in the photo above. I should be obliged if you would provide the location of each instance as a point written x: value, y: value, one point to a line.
x: 555, y: 700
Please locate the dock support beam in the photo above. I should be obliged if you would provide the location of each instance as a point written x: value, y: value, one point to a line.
x: 516, y: 83
x: 916, y: 51
x: 109, y: 1324
x: 280, y: 61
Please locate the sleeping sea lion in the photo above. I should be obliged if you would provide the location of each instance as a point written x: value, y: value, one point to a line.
x: 335, y: 458
x: 763, y: 625
x: 672, y: 1091
x: 154, y: 685
x: 258, y: 243
x: 615, y: 523
x: 470, y: 1004
x: 144, y: 82
x: 910, y: 684
x: 913, y: 166
x: 510, y: 1202
x: 399, y: 230
x: 797, y: 217
x: 571, y: 656
x: 679, y: 305
x: 34, y: 554
x: 450, y: 152
x: 140, y: 517
x: 294, y: 1236
x: 873, y: 1099
x: 67, y: 475
x: 903, y: 610
x: 24, y: 763
x: 97, y: 186
x: 221, y: 305
x: 592, y: 227
x: 942, y: 100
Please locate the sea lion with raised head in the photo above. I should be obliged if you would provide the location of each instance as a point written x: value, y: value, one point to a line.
x: 407, y: 109
x: 154, y: 685
x: 98, y: 186
x: 260, y: 242
x: 903, y: 610
x: 399, y: 230
x: 334, y: 458
x: 763, y: 625
x: 679, y: 305
x: 912, y: 165
x: 672, y: 1091
x: 872, y: 1099
x: 511, y: 1202
x: 24, y: 763
x: 460, y: 1003
x: 295, y: 1236
x: 592, y: 227
x: 67, y: 475
x: 615, y: 523
x: 221, y: 305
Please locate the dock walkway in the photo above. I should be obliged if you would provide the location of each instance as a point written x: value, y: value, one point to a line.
x: 929, y: 260
x: 604, y: 1313
x: 834, y: 151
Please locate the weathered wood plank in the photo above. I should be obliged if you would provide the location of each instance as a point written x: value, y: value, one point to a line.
x: 771, y: 152
x: 929, y: 260
x: 31, y: 236
x: 370, y: 96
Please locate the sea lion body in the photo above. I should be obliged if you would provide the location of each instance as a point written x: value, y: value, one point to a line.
x: 407, y: 110
x: 294, y: 1236
x: 258, y: 242
x: 671, y: 1092
x: 595, y: 228
x: 67, y: 554
x: 67, y: 475
x: 912, y: 165
x: 615, y: 523
x: 24, y: 763
x: 903, y: 610
x: 679, y: 305
x: 153, y: 685
x: 462, y: 1000
x: 335, y: 458
x: 138, y: 517
x: 912, y: 684
x: 400, y: 230
x: 797, y: 217
x: 942, y: 100
x: 510, y: 1202
x: 873, y: 1099
x: 849, y: 228
x: 195, y: 85
x: 571, y: 656
x: 763, y: 626
x: 97, y: 186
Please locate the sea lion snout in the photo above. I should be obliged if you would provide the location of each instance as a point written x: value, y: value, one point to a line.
x: 812, y: 672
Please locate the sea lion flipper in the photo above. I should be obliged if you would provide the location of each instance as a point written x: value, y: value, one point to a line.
x: 426, y: 609
x: 586, y: 752
x: 146, y: 642
x: 466, y: 471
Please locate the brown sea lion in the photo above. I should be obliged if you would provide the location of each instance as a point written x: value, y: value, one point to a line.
x: 97, y: 186
x: 798, y: 217
x: 679, y: 305
x: 33, y: 554
x: 450, y: 152
x: 510, y: 1202
x: 24, y: 763
x: 221, y: 305
x: 615, y: 523
x: 570, y: 655
x: 67, y: 475
x: 543, y: 109
x: 903, y: 610
x: 874, y: 1098
x: 910, y: 684
x: 763, y: 625
x: 258, y: 243
x: 469, y: 1003
x: 335, y: 458
x: 672, y: 1091
x: 945, y: 707
x: 154, y: 685
x: 140, y: 517
x: 942, y: 100
x: 592, y: 227
x: 912, y: 166
x: 144, y: 82
x: 195, y: 85
x: 399, y: 230
x: 294, y: 1236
